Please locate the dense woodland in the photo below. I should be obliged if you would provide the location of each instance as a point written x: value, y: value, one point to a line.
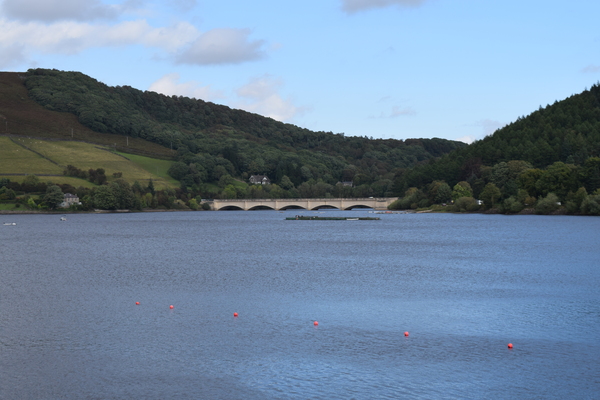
x: 216, y: 144
x: 552, y: 155
x: 547, y: 162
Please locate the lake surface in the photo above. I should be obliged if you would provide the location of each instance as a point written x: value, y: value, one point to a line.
x: 463, y: 286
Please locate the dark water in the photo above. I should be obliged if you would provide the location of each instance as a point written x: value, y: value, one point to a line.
x: 464, y: 286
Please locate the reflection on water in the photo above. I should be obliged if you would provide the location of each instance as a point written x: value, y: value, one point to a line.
x: 463, y: 285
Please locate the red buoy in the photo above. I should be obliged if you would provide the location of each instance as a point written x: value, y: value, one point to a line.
x: 315, y: 323
x: 137, y: 303
x: 510, y: 346
x: 235, y: 314
x: 405, y: 333
x: 171, y: 307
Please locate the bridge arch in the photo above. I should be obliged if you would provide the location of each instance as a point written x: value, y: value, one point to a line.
x: 292, y: 207
x: 357, y: 206
x: 260, y: 207
x: 230, y: 208
x: 324, y: 207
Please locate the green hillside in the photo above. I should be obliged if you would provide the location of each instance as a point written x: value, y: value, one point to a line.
x: 554, y: 150
x: 215, y: 141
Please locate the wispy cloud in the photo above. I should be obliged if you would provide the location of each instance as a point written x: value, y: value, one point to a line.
x: 353, y: 6
x: 170, y: 85
x: 223, y: 46
x: 396, y: 112
x: 182, y: 5
x: 71, y: 37
x: 591, y: 69
x: 261, y: 96
x: 59, y: 10
x: 489, y: 126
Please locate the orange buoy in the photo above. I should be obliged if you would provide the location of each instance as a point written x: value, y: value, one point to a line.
x: 405, y: 333
x: 235, y: 314
x: 316, y: 323
x: 171, y: 307
x: 137, y: 303
x: 510, y: 346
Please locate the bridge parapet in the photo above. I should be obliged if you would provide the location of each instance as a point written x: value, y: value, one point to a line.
x: 377, y: 203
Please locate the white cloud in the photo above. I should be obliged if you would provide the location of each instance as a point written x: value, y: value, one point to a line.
x: 57, y: 10
x: 223, y: 46
x: 69, y: 37
x: 169, y: 85
x: 352, y: 6
x: 263, y: 98
x: 466, y: 139
x: 591, y: 69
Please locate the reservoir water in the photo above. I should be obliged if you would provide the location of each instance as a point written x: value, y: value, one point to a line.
x: 463, y: 286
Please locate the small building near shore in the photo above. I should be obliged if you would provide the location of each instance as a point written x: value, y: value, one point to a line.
x: 69, y: 200
x: 259, y: 180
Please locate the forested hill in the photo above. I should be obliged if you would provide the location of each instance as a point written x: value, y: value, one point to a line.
x: 213, y: 140
x: 549, y: 160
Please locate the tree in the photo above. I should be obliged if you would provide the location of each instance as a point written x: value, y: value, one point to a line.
x: 150, y: 187
x: 178, y: 170
x: 464, y: 204
x: 104, y: 198
x: 54, y: 196
x: 124, y: 197
x: 559, y: 178
x: 7, y: 194
x: 574, y: 200
x: 444, y: 193
x: 461, y: 189
x: 490, y: 194
x: 512, y: 205
x: 439, y: 192
x: 31, y: 203
x: 590, y: 174
x: 30, y: 183
x: 286, y: 183
x: 527, y: 180
x: 229, y: 192
x: 591, y: 205
x: 193, y: 204
x: 548, y: 204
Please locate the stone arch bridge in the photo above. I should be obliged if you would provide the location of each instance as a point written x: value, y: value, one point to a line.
x: 377, y: 203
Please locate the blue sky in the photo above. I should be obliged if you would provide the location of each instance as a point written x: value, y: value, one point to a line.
x: 379, y: 68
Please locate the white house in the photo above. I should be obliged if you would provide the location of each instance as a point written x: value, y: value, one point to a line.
x: 259, y: 180
x: 69, y: 200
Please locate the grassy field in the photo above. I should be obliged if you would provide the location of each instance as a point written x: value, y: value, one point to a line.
x: 59, y: 179
x: 15, y: 159
x: 23, y: 155
x: 152, y: 165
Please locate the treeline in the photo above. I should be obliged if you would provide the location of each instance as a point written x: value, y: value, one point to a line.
x: 514, y: 186
x: 567, y: 131
x: 116, y: 194
x: 555, y: 150
x: 213, y: 140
